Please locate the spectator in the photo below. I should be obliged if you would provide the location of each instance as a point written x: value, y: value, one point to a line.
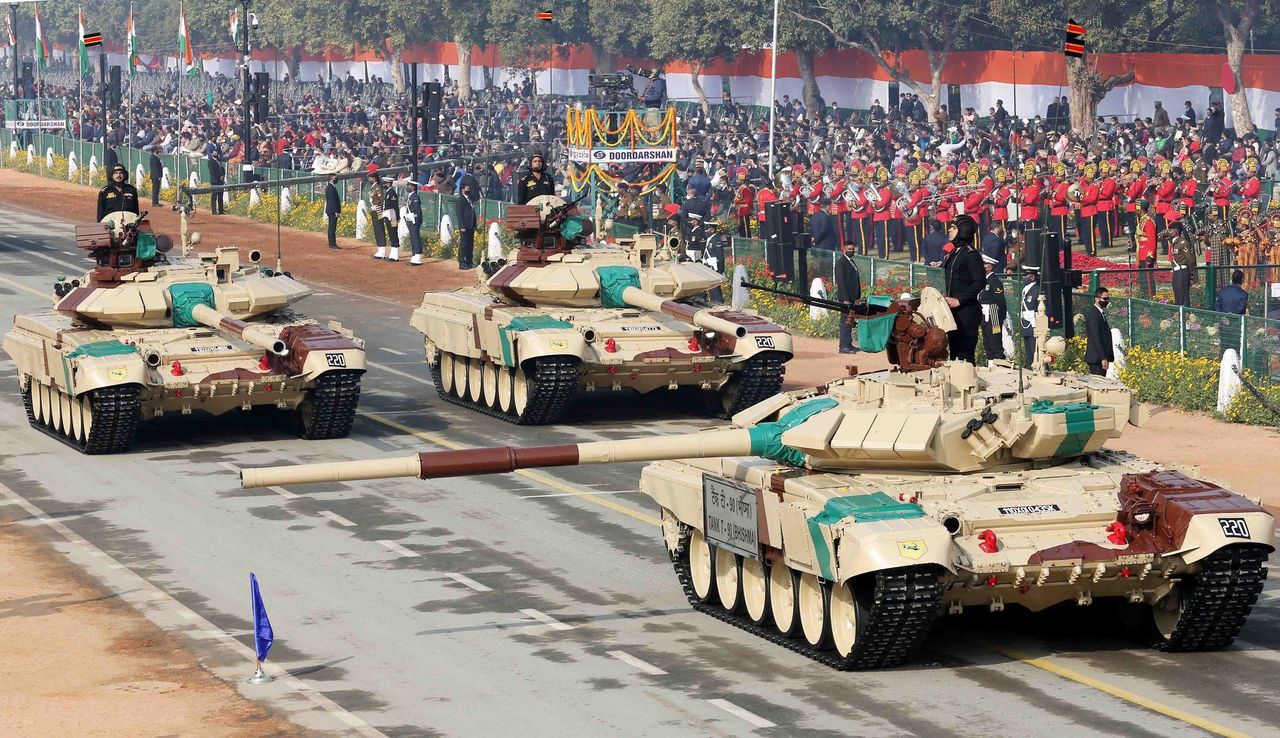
x: 1233, y: 298
x: 822, y: 226
x: 1189, y: 114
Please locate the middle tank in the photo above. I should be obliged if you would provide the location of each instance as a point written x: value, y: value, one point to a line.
x: 556, y: 317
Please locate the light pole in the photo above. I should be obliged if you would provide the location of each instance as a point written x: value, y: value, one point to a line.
x: 773, y: 87
x: 246, y: 164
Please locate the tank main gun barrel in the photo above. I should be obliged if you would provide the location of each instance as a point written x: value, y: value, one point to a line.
x: 246, y: 331
x: 503, y: 459
x: 700, y: 317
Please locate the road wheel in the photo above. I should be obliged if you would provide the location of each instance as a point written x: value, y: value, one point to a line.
x: 701, y: 567
x: 755, y: 591
x: 846, y: 618
x: 814, y: 622
x: 784, y: 604
x: 490, y: 380
x: 505, y: 389
x: 728, y: 579
x: 461, y: 368
x: 520, y: 389
x: 475, y: 382
x: 446, y: 371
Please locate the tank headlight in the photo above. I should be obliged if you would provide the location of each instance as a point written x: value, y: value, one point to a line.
x: 1142, y: 518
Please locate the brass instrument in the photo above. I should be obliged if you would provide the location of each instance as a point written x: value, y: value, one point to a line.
x: 873, y: 195
x: 1075, y: 193
x: 850, y: 193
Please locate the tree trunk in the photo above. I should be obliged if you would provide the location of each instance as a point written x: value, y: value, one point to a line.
x: 1242, y: 119
x: 1085, y: 89
x: 393, y: 56
x: 606, y: 61
x: 295, y: 64
x: 804, y: 58
x: 464, y: 67
x: 695, y: 79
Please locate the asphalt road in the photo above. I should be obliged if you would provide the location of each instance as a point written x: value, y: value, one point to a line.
x: 540, y: 603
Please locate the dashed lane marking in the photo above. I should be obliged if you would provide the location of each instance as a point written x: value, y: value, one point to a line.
x: 575, y: 494
x: 543, y: 479
x: 467, y: 581
x: 146, y: 591
x: 392, y: 351
x: 401, y: 550
x: 1120, y: 693
x: 335, y: 517
x: 738, y: 712
x: 630, y: 660
x: 24, y: 288
x: 546, y: 619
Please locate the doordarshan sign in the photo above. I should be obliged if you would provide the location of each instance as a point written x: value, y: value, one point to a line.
x: 607, y: 156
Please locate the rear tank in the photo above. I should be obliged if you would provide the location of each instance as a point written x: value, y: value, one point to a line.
x: 143, y: 335
x: 554, y: 319
x: 841, y: 521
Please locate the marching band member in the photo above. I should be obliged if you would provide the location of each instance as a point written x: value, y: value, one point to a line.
x: 1029, y: 198
x: 1251, y: 188
x: 1000, y: 198
x: 1164, y: 195
x: 744, y: 197
x: 881, y: 214
x: 1134, y: 190
x: 913, y: 216
x: 1059, y: 205
x: 1107, y: 189
x: 1088, y: 210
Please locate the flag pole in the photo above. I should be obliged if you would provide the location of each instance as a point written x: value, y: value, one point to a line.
x: 260, y: 676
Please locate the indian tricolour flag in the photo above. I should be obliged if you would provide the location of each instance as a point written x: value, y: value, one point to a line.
x: 234, y: 23
x: 84, y: 52
x: 133, y: 42
x: 42, y: 44
x: 184, y: 44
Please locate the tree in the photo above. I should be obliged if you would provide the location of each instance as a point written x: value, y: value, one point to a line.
x: 613, y: 27
x: 524, y: 40
x: 469, y: 20
x: 1237, y: 18
x: 885, y: 29
x: 806, y: 40
x: 699, y: 31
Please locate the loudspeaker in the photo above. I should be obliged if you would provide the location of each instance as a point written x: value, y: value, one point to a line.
x: 261, y: 96
x: 953, y: 102
x: 1051, y: 281
x: 779, y: 236
x: 26, y: 72
x: 432, y: 97
x: 113, y: 88
x: 1032, y: 246
x: 895, y: 95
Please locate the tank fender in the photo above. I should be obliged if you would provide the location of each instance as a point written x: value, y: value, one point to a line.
x: 870, y: 547
x: 336, y: 360
x: 522, y: 339
x: 314, y: 350
x: 1208, y: 533
x: 84, y: 373
x: 754, y: 344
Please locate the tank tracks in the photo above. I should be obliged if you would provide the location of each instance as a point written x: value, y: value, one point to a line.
x: 906, y: 603
x: 331, y: 407
x: 113, y: 413
x: 551, y: 387
x: 1218, y: 600
x: 759, y: 379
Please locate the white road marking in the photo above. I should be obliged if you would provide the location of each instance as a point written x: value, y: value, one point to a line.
x: 398, y: 373
x: 392, y: 351
x: 576, y: 494
x: 335, y: 517
x: 468, y: 581
x: 546, y: 619
x: 644, y: 666
x: 138, y: 589
x: 736, y: 711
x: 77, y: 270
x: 404, y: 552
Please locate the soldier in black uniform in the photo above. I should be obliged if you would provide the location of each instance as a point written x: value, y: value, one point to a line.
x: 332, y: 209
x: 994, y: 310
x: 964, y: 280
x: 118, y: 196
x: 217, y: 178
x: 157, y: 174
x: 1030, y: 306
x: 534, y: 181
x: 848, y: 291
x: 466, y: 212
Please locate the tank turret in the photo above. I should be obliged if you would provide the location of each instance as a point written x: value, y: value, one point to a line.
x: 557, y: 317
x: 142, y: 334
x: 843, y: 520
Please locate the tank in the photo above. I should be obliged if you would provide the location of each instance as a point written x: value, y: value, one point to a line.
x: 143, y: 335
x: 842, y: 521
x: 555, y: 318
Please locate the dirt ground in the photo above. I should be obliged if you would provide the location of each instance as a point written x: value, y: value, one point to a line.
x: 72, y: 657
x: 78, y: 662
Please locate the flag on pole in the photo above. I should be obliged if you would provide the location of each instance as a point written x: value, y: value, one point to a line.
x: 235, y: 25
x: 133, y: 42
x: 263, y: 636
x: 42, y: 44
x: 8, y: 24
x: 84, y: 52
x: 187, y: 59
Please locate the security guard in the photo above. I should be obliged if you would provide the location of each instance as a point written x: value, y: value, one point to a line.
x: 118, y: 196
x: 994, y: 310
x: 1182, y: 257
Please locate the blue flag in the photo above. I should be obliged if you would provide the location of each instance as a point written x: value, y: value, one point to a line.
x: 262, y: 633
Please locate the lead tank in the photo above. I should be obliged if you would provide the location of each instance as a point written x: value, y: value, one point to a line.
x: 842, y: 521
x: 553, y: 319
x: 142, y: 335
